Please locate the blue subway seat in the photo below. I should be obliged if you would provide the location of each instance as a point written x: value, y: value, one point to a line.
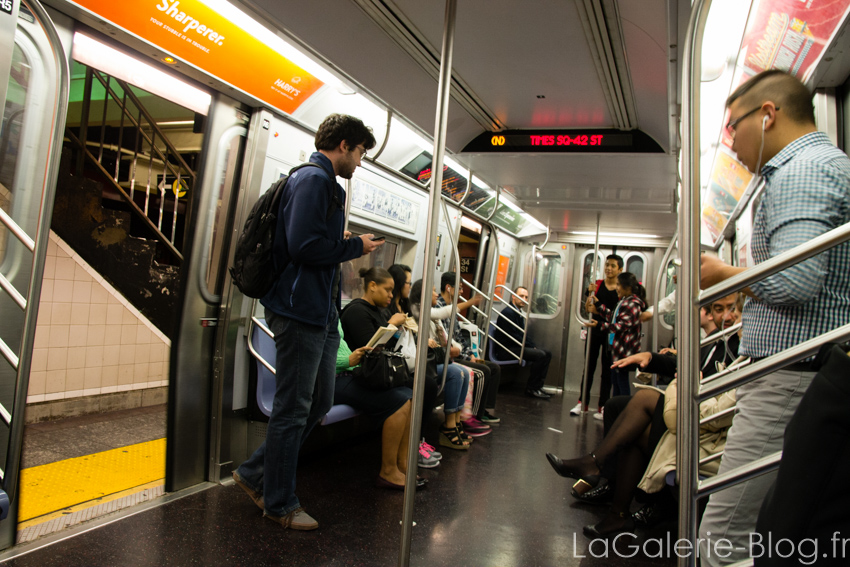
x: 4, y: 504
x: 491, y: 352
x: 264, y: 345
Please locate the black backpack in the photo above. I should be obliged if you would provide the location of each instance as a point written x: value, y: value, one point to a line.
x: 253, y: 266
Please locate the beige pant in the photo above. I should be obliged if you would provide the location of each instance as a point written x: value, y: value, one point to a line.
x: 765, y: 407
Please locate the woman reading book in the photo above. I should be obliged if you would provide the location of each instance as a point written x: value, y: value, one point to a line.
x: 359, y: 321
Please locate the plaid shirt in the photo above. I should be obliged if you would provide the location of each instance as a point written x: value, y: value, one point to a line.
x: 465, y: 349
x: 807, y: 193
x: 626, y: 327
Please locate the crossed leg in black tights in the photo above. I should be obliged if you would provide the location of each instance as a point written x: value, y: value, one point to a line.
x: 629, y: 436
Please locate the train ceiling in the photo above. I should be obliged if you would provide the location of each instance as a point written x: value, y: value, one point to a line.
x: 528, y: 65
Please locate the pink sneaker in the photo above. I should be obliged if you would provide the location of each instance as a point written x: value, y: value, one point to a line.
x: 475, y: 428
x: 430, y: 449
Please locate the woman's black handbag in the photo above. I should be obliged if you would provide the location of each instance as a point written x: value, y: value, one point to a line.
x: 381, y: 370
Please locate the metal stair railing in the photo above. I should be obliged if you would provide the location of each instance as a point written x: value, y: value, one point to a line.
x: 167, y: 161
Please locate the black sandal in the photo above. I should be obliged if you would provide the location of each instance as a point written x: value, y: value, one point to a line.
x: 582, y: 484
x: 450, y: 437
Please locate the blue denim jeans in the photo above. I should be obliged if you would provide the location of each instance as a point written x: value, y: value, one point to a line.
x: 457, y: 383
x: 620, y: 382
x: 305, y: 364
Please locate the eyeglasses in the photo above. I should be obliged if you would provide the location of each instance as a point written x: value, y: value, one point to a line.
x: 733, y: 124
x: 363, y: 151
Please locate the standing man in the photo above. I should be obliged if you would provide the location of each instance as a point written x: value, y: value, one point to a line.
x: 302, y: 310
x: 807, y: 193
x: 509, y: 328
x: 606, y: 294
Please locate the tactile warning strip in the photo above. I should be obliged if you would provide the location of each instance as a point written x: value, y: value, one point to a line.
x: 56, y: 486
x: 52, y: 523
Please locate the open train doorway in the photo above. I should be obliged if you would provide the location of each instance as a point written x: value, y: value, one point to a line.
x: 95, y: 435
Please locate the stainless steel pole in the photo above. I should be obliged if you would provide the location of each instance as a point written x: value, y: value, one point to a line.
x: 428, y: 279
x: 688, y: 290
x: 595, y: 267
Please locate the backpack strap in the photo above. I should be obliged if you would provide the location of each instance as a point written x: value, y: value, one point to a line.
x: 335, y: 202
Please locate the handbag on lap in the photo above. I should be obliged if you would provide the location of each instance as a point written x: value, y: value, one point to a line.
x: 382, y: 370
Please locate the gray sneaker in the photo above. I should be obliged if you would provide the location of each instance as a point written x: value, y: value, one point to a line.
x: 426, y: 460
x: 296, y: 520
x: 255, y: 496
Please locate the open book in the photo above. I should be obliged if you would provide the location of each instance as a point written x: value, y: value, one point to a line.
x: 382, y: 335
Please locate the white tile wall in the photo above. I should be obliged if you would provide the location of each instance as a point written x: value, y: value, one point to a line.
x: 89, y: 339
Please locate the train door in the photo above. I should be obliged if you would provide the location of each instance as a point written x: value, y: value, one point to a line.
x: 195, y: 433
x: 549, y: 285
x: 34, y: 103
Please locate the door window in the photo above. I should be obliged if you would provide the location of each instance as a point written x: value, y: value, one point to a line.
x: 636, y: 264
x: 588, y: 280
x: 350, y: 283
x: 547, y: 285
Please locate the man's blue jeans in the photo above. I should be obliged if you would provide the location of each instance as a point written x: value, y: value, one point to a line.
x: 305, y: 365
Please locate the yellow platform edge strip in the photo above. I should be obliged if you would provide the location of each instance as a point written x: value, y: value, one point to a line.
x: 82, y: 506
x: 60, y: 485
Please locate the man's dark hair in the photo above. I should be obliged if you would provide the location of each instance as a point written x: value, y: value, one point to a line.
x: 617, y: 258
x: 448, y: 278
x: 787, y: 92
x: 519, y: 287
x: 340, y: 127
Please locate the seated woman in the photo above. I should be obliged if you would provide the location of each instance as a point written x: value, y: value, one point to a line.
x: 457, y: 377
x: 646, y: 427
x: 358, y: 322
x: 400, y: 303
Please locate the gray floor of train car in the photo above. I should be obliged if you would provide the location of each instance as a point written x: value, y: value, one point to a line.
x: 50, y: 441
x: 498, y: 504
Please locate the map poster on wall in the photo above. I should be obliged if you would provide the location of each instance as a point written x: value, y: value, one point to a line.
x: 384, y: 205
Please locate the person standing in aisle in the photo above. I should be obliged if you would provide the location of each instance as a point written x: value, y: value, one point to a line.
x: 606, y: 294
x: 302, y: 310
x: 806, y: 194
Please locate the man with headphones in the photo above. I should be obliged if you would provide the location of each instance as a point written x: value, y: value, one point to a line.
x: 806, y: 193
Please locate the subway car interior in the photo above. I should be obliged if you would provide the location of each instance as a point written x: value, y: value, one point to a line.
x: 518, y: 145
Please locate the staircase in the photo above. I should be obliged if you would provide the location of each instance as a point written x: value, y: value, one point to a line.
x: 122, y: 200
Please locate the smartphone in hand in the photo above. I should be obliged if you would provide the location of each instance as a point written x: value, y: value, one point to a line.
x: 377, y: 238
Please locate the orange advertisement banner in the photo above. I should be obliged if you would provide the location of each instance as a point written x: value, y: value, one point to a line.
x: 194, y: 32
x: 502, y: 273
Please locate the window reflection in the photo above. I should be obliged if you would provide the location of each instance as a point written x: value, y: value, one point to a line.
x: 588, y: 280
x: 547, y: 285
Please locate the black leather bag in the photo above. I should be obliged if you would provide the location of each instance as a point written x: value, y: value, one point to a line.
x: 381, y: 370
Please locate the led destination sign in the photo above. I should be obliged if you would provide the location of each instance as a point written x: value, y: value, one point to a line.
x: 566, y: 141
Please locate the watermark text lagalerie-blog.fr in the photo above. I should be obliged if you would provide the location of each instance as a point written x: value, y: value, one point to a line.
x: 624, y: 546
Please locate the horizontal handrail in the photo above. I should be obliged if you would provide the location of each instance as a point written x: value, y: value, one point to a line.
x: 9, y: 355
x: 262, y: 327
x: 16, y: 229
x: 738, y: 363
x: 776, y: 264
x: 770, y: 364
x: 710, y: 458
x: 4, y: 413
x: 132, y: 204
x: 260, y: 359
x: 739, y: 474
x: 724, y: 333
x: 718, y: 415
x: 13, y: 292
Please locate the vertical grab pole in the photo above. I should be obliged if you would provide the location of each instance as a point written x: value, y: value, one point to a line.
x: 689, y: 235
x: 428, y: 279
x: 590, y: 329
x: 494, y: 267
x: 454, y: 235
